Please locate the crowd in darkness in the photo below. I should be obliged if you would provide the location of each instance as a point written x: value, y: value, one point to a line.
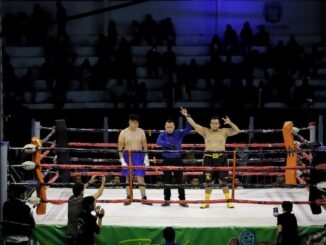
x: 116, y: 70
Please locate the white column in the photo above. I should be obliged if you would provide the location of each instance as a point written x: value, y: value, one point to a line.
x: 1, y: 86
x: 36, y: 128
x: 3, y: 174
x: 312, y: 130
x: 321, y: 128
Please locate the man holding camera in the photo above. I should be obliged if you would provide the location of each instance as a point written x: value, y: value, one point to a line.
x: 171, y: 139
x: 75, y: 207
x: 88, y: 224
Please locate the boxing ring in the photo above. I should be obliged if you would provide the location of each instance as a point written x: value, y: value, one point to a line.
x: 143, y: 224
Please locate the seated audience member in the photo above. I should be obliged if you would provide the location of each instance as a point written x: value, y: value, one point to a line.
x: 169, y: 236
x: 18, y: 221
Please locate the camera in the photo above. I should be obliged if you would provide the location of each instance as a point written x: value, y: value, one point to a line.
x: 275, y: 212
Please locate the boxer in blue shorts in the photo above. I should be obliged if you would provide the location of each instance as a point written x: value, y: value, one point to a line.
x: 137, y: 159
x: 132, y: 139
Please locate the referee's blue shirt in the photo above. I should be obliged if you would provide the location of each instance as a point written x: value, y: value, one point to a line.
x: 172, y: 141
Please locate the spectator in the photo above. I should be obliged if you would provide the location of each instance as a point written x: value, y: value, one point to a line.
x: 22, y: 27
x: 75, y: 207
x: 17, y: 121
x: 118, y: 92
x: 101, y: 74
x: 250, y: 94
x: 182, y: 78
x: 262, y: 37
x: 293, y: 53
x: 193, y: 76
x: 39, y: 23
x: 18, y: 221
x: 85, y: 74
x: 153, y: 62
x: 10, y: 28
x: 166, y: 32
x: 230, y: 40
x: 89, y: 224
x: 169, y: 60
x: 246, y: 37
x: 170, y: 92
x: 215, y: 47
x: 48, y: 74
x: 149, y: 27
x: 287, y: 227
x: 136, y: 33
x: 141, y: 94
x: 10, y: 80
x: 27, y: 83
x: 103, y: 48
x: 61, y: 20
x: 303, y: 93
x: 169, y: 236
x: 124, y: 57
x: 112, y: 33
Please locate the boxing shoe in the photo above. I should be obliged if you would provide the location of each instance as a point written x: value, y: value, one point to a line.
x: 203, y: 206
x: 146, y: 203
x: 230, y: 205
x: 165, y: 204
x: 127, y: 203
x: 185, y: 205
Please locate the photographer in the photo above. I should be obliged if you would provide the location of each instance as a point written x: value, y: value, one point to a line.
x: 287, y: 227
x: 89, y: 224
x: 75, y: 207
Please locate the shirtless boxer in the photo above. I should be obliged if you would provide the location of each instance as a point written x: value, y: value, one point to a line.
x: 133, y: 138
x: 215, y: 140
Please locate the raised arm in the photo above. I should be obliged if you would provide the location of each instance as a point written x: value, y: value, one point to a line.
x: 186, y: 130
x: 234, y: 130
x: 99, y: 192
x: 91, y: 181
x: 199, y: 129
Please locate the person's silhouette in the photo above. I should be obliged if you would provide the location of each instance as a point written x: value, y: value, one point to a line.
x: 169, y: 236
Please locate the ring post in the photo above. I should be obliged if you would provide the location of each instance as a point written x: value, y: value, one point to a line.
x: 312, y: 130
x: 291, y: 157
x: 233, y: 174
x: 61, y: 137
x: 3, y: 175
x: 41, y: 190
x: 130, y: 177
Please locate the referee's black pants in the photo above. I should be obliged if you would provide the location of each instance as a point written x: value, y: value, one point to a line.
x: 168, y: 178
